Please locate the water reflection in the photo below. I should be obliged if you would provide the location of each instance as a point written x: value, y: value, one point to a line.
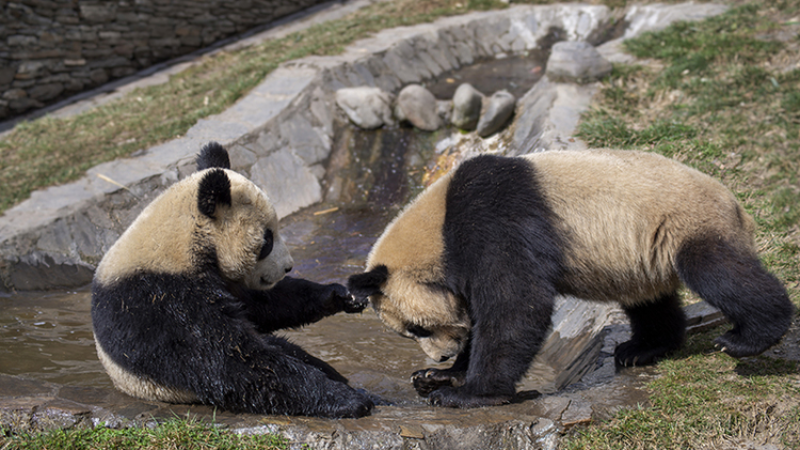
x: 49, y: 336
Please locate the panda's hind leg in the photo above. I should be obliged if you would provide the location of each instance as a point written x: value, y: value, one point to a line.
x: 658, y: 327
x: 735, y: 282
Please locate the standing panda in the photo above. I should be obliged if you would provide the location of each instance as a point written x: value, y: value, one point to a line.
x: 184, y: 303
x: 470, y: 269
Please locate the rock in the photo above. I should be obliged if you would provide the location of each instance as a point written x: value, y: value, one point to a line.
x: 367, y: 107
x: 702, y: 316
x: 549, y: 115
x: 467, y: 103
x: 444, y: 108
x: 576, y: 61
x: 417, y: 105
x: 499, y: 109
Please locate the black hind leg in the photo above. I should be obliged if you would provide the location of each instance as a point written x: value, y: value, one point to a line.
x: 658, y: 328
x: 736, y: 283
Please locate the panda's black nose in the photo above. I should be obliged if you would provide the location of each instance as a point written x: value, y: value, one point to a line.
x: 288, y: 269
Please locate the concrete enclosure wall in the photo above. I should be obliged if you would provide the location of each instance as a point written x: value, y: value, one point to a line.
x: 52, y: 49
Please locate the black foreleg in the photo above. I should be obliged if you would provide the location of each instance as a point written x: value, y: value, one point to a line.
x: 735, y: 282
x: 295, y: 302
x: 658, y: 328
x: 505, y: 338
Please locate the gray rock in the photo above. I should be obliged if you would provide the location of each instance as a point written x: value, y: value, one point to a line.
x: 549, y: 115
x: 499, y: 109
x: 576, y: 61
x: 445, y: 110
x: 271, y: 174
x: 367, y: 107
x: 654, y: 17
x: 467, y: 103
x: 417, y: 105
x: 702, y: 316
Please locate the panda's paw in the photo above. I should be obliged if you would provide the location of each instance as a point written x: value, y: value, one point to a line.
x: 339, y: 297
x: 354, y: 305
x: 426, y: 381
x: 450, y: 397
x: 632, y: 354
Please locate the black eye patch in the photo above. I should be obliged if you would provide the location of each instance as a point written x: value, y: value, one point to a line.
x: 266, y: 249
x: 418, y: 331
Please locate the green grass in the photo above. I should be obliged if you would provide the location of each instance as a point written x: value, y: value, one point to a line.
x: 716, y: 102
x: 173, y: 434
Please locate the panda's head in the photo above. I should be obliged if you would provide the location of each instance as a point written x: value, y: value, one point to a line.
x: 405, y: 278
x: 213, y: 220
x: 238, y: 223
x: 416, y: 308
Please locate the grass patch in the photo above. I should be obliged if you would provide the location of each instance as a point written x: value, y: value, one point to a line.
x: 706, y: 400
x: 717, y: 99
x: 173, y: 434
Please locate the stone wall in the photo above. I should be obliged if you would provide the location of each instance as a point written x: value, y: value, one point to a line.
x: 52, y: 49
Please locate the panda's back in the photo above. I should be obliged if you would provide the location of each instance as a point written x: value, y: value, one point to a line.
x: 626, y: 214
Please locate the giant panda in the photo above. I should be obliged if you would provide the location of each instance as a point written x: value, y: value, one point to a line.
x: 184, y: 304
x: 471, y: 267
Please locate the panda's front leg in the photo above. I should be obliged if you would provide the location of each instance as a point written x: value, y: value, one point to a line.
x: 505, y: 338
x: 295, y: 302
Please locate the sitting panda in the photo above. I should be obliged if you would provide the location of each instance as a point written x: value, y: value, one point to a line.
x: 184, y: 303
x: 471, y: 267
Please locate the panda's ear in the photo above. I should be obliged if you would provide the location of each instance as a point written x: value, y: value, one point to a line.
x: 369, y: 283
x: 214, y: 190
x: 213, y: 155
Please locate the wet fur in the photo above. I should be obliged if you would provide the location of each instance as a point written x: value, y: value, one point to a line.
x: 601, y: 225
x: 175, y: 319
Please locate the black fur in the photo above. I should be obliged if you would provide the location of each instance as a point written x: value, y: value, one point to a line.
x: 735, y: 282
x: 190, y: 332
x: 503, y: 256
x: 214, y: 189
x: 213, y: 155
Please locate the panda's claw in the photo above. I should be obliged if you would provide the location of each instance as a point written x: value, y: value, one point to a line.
x: 353, y: 305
